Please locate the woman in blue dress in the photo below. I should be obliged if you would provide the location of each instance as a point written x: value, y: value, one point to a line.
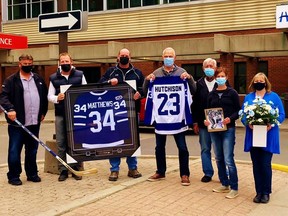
x: 262, y: 156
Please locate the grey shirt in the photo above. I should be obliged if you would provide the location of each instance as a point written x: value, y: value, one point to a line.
x: 176, y: 71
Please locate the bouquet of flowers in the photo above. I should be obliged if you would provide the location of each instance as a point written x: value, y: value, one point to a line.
x: 260, y: 113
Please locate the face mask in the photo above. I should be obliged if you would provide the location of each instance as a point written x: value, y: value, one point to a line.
x: 168, y: 62
x: 124, y: 60
x: 209, y: 72
x: 221, y: 81
x: 259, y: 86
x: 27, y: 68
x: 65, y: 67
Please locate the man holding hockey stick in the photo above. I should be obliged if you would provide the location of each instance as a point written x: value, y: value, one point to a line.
x: 24, y: 96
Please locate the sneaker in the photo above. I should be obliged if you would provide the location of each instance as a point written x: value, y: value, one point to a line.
x: 76, y: 177
x: 185, y: 180
x: 232, y: 194
x: 222, y: 189
x: 63, y: 175
x: 35, y: 178
x: 134, y: 173
x: 15, y: 182
x: 206, y: 179
x: 156, y: 177
x: 113, y: 176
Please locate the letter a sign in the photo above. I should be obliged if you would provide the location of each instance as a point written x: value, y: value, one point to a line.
x: 60, y: 22
x: 282, y: 16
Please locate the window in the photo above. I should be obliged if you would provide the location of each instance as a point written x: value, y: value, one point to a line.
x: 120, y: 4
x: 24, y: 9
x: 174, y: 1
x: 240, y: 77
x: 263, y: 67
x: 194, y: 69
x: 150, y: 2
x: 114, y: 4
x: 94, y: 5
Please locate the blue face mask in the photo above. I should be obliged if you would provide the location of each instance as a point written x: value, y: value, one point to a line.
x: 209, y: 72
x: 168, y: 61
x: 221, y: 81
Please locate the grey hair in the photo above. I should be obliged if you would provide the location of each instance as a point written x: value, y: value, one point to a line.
x: 208, y: 60
x: 169, y: 48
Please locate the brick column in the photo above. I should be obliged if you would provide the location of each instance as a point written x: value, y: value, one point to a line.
x: 252, y: 69
x: 104, y: 67
x: 227, y: 61
x: 2, y: 76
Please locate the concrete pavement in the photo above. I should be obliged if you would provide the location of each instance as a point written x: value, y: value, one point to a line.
x: 95, y: 195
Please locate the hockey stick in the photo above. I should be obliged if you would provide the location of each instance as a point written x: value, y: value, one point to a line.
x: 77, y: 173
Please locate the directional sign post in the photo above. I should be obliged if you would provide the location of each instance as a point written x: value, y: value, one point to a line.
x: 60, y: 22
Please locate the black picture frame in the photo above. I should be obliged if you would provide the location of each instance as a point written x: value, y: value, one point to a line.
x: 101, y: 121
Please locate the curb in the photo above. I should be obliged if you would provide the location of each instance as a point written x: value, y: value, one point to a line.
x: 280, y: 167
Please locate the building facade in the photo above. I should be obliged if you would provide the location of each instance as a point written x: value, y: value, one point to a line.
x: 240, y: 34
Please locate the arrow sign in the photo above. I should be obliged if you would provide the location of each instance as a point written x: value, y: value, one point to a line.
x: 60, y: 22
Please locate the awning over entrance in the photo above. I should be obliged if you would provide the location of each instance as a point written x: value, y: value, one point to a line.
x: 253, y: 45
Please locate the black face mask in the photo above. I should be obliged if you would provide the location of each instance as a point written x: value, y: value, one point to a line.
x: 65, y: 67
x: 259, y: 86
x: 26, y: 68
x: 124, y: 60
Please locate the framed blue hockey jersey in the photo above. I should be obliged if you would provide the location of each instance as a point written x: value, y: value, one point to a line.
x: 101, y: 121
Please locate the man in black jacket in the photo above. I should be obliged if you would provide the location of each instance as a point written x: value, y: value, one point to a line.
x: 204, y: 85
x: 122, y: 72
x: 24, y: 96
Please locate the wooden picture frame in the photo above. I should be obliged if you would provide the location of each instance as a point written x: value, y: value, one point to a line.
x: 215, y: 116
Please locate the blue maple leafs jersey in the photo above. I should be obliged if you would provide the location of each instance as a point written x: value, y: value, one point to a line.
x: 168, y: 105
x: 100, y: 120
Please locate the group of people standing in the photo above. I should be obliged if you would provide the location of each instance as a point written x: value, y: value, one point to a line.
x: 214, y: 91
x: 25, y: 96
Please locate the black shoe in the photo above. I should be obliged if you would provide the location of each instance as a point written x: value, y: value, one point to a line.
x: 265, y: 198
x: 257, y: 198
x: 76, y: 177
x: 15, y: 182
x: 206, y: 179
x: 63, y: 175
x: 35, y: 178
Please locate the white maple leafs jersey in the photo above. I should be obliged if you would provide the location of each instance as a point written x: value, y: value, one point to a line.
x: 100, y: 120
x: 168, y: 105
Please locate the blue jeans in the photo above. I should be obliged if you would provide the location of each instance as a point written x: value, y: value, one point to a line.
x: 115, y: 163
x: 17, y: 138
x: 262, y: 170
x: 223, y: 145
x: 205, y: 144
x: 183, y: 153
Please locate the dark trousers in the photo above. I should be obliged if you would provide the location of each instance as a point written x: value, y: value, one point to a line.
x: 17, y: 138
x: 183, y: 153
x: 262, y: 170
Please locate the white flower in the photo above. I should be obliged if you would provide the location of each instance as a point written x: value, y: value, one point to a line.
x: 260, y: 113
